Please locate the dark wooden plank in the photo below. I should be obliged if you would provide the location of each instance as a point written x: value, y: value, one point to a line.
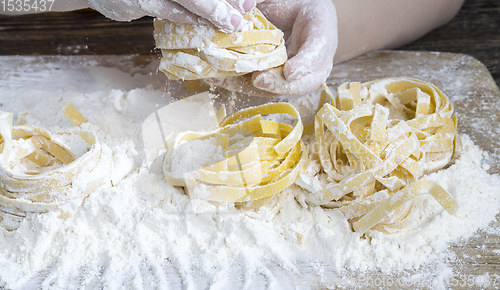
x: 474, y: 31
x: 84, y: 32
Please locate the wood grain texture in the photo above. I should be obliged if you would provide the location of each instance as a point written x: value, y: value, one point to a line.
x: 83, y: 32
x: 474, y: 31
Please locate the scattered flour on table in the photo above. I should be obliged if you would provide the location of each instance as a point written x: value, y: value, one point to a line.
x: 144, y: 233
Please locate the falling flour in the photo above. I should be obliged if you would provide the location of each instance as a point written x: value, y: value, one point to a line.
x: 142, y: 233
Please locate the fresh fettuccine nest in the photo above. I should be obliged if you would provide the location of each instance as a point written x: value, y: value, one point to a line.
x: 252, y: 159
x: 197, y: 51
x: 38, y: 171
x: 380, y: 138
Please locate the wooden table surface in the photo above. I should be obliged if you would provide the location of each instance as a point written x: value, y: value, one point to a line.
x: 474, y: 31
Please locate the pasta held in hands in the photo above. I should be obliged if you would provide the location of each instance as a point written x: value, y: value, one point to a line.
x: 193, y: 51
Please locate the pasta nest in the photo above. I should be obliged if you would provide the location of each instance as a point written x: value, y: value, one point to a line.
x: 192, y: 51
x: 257, y: 159
x: 381, y: 137
x: 39, y: 171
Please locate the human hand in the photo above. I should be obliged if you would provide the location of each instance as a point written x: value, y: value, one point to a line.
x: 310, y: 28
x: 225, y: 15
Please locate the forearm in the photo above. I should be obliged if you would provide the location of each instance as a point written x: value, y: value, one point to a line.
x: 370, y: 25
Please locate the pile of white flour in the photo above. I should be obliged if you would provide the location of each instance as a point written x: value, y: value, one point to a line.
x: 144, y: 233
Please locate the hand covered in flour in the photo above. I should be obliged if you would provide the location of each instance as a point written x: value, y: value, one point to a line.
x: 310, y: 28
x: 224, y: 14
